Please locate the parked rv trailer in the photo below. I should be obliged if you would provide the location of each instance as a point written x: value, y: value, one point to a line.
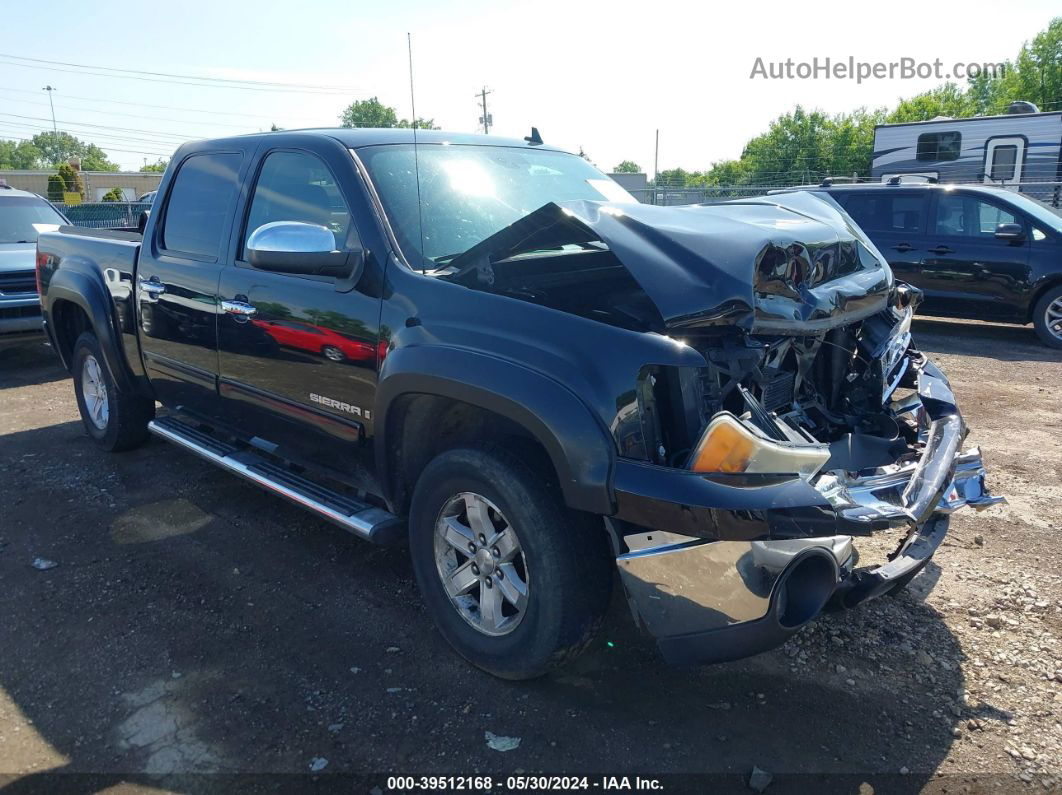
x: 1022, y: 151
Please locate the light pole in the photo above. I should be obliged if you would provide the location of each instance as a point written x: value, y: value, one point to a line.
x: 50, y: 89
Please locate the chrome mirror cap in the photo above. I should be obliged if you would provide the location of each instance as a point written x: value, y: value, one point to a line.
x: 291, y: 237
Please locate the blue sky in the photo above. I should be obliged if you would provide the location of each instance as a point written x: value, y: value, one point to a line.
x: 603, y: 76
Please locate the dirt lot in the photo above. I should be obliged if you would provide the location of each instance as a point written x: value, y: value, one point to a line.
x: 194, y: 624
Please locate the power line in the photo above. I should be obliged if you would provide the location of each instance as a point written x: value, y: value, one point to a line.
x: 158, y: 107
x: 178, y: 136
x: 108, y: 112
x: 177, y: 82
x: 110, y: 148
x: 266, y: 84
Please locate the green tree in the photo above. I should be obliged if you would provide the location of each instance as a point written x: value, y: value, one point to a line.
x: 157, y: 167
x: 19, y: 155
x: 947, y: 100
x: 59, y: 147
x: 368, y: 113
x: 113, y: 195
x: 71, y: 179
x: 627, y: 167
x: 373, y: 113
x: 56, y: 186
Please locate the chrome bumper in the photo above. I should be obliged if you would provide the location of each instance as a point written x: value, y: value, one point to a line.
x: 712, y: 600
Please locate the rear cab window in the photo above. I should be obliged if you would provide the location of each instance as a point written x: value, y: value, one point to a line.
x: 200, y: 205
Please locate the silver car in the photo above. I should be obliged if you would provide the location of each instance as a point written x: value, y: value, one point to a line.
x: 23, y: 216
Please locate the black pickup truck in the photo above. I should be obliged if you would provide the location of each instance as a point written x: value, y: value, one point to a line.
x: 486, y: 349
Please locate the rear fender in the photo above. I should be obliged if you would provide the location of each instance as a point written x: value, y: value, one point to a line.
x: 80, y: 283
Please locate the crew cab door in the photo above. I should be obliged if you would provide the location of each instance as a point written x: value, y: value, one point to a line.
x: 177, y: 279
x: 298, y: 353
x: 968, y: 271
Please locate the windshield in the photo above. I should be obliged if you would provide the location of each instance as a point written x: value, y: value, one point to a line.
x: 22, y: 218
x: 1045, y: 214
x: 469, y: 192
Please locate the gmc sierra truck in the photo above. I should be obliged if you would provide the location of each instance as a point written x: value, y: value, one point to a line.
x: 486, y: 349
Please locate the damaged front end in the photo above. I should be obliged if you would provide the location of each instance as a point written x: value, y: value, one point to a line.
x: 821, y: 474
x: 795, y: 452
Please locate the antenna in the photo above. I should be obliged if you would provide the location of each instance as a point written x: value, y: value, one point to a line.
x: 416, y: 156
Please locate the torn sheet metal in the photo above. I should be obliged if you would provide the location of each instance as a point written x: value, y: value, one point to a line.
x: 776, y: 264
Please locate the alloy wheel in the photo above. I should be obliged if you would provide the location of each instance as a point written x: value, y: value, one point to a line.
x: 481, y: 564
x: 94, y: 392
x: 1053, y: 318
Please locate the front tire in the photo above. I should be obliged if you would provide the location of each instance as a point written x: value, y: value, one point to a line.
x: 516, y: 582
x: 115, y: 420
x: 1047, y: 317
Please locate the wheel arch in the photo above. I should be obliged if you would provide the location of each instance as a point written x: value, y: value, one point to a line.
x: 432, y: 397
x: 77, y: 303
x: 1041, y: 289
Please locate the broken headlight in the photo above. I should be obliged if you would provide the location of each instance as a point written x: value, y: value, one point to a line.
x: 729, y: 445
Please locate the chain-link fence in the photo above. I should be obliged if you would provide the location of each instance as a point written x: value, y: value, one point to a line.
x: 104, y: 215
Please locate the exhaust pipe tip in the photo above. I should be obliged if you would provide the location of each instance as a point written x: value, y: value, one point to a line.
x: 805, y: 587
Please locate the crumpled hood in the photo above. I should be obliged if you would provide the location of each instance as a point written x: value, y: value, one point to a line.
x: 17, y: 257
x: 791, y: 263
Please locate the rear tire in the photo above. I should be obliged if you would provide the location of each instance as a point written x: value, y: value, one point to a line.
x: 561, y: 559
x: 115, y: 420
x: 1047, y: 317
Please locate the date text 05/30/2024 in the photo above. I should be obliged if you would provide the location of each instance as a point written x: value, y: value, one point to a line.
x: 521, y: 783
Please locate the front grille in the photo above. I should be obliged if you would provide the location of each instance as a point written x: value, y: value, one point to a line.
x: 19, y: 311
x: 18, y: 282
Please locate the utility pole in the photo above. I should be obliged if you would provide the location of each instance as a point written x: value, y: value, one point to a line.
x: 50, y: 89
x: 485, y: 119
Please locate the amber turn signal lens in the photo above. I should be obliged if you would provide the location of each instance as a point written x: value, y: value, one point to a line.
x: 729, y: 445
x: 724, y: 448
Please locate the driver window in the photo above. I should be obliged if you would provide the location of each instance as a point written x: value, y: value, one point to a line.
x: 296, y: 186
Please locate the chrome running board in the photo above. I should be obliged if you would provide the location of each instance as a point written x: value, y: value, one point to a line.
x: 363, y: 520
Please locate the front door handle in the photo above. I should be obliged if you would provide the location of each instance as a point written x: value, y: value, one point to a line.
x: 941, y: 250
x: 903, y: 248
x: 241, y: 309
x: 152, y: 288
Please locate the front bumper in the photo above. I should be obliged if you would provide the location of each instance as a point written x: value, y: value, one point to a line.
x: 20, y: 317
x: 721, y: 567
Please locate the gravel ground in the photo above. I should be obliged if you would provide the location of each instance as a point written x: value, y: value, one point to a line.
x: 195, y: 625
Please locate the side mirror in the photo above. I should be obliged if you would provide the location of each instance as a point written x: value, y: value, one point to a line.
x: 300, y: 248
x: 1011, y: 232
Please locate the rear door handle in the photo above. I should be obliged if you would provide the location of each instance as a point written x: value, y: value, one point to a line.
x: 941, y: 250
x: 152, y: 288
x: 903, y: 248
x: 241, y: 309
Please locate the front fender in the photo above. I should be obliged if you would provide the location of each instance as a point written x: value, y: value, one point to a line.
x: 579, y: 446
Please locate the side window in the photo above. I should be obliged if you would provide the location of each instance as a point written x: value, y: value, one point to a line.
x: 937, y: 146
x: 990, y: 216
x: 968, y: 216
x: 887, y: 212
x: 200, y: 204
x: 296, y: 186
